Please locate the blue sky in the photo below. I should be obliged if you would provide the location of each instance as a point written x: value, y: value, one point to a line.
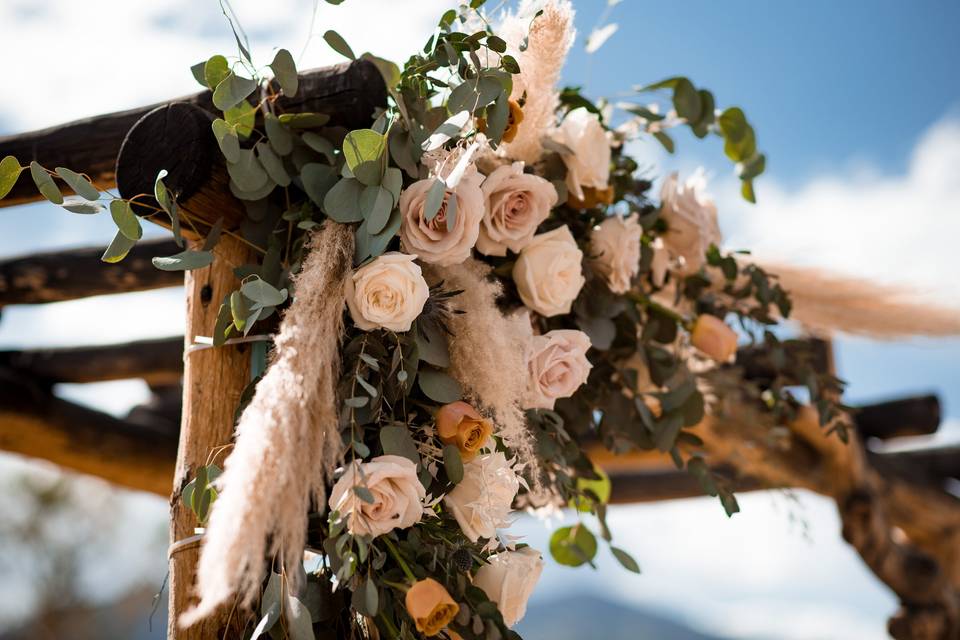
x: 857, y: 107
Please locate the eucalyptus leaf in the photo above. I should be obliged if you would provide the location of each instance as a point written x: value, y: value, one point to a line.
x: 398, y: 441
x: 338, y: 44
x: 453, y: 463
x: 573, y: 546
x: 285, y: 70
x: 247, y: 172
x: 279, y: 136
x: 320, y: 144
x: 79, y: 184
x: 439, y: 386
x: 232, y: 90
x: 625, y: 559
x: 318, y: 181
x: 365, y: 153
x: 118, y: 248
x: 298, y: 623
x: 45, y: 184
x: 434, y: 200
x: 76, y: 204
x: 184, y: 261
x: 376, y: 203
x: 197, y: 71
x: 9, y: 174
x: 342, y: 201
x: 227, y: 139
x: 304, y: 120
x: 393, y: 182
x: 263, y: 293
x: 272, y: 164
x: 215, y: 70
x: 243, y: 117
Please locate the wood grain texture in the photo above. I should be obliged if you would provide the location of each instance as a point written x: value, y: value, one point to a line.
x: 349, y: 93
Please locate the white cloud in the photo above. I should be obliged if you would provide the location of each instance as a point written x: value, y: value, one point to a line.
x: 897, y: 229
x: 78, y: 59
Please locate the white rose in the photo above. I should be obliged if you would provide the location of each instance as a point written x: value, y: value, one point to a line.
x: 589, y: 163
x: 549, y: 273
x: 691, y: 219
x: 434, y: 241
x: 509, y: 580
x: 615, y: 245
x: 481, y: 501
x: 516, y: 203
x: 397, y: 496
x: 389, y: 292
x: 557, y: 365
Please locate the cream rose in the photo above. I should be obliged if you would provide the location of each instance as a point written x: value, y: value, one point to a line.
x: 435, y: 241
x: 589, y: 163
x: 615, y: 245
x: 557, y: 365
x: 549, y: 273
x: 481, y: 501
x: 516, y: 203
x: 691, y: 219
x: 389, y: 292
x: 509, y: 579
x: 397, y: 496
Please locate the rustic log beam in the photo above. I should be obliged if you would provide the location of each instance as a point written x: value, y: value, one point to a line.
x: 929, y: 466
x: 913, y: 416
x: 349, y: 93
x: 640, y: 486
x: 79, y: 273
x: 33, y: 422
x: 157, y: 362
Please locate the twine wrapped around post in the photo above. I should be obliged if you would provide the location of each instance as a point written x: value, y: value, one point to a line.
x: 287, y: 440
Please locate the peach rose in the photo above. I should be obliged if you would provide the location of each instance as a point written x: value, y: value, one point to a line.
x: 430, y: 605
x: 460, y: 424
x: 397, y: 496
x: 509, y: 579
x: 615, y: 245
x: 481, y: 502
x: 549, y: 273
x: 436, y: 241
x: 691, y: 219
x: 558, y: 366
x: 516, y: 203
x: 713, y: 337
x: 588, y: 164
x: 389, y: 292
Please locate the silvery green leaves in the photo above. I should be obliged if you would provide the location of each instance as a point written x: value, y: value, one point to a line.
x: 232, y: 90
x: 285, y: 71
x: 698, y: 109
x: 256, y: 299
x: 338, y: 44
x: 365, y: 154
x: 475, y: 94
x: 9, y: 174
x: 45, y: 184
x: 168, y: 203
x: 199, y: 494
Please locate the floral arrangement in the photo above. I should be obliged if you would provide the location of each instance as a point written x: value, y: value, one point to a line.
x: 498, y: 290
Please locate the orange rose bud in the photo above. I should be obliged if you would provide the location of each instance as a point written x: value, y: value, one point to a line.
x: 514, y: 118
x: 460, y: 424
x: 713, y: 337
x: 591, y: 198
x: 430, y: 606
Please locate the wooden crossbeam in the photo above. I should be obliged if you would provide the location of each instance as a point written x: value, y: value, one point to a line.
x: 79, y: 273
x: 347, y: 92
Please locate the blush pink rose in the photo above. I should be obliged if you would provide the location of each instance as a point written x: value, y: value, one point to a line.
x: 516, y: 203
x: 435, y: 241
x: 557, y: 366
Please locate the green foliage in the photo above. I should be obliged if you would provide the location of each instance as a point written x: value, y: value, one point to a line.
x: 9, y: 173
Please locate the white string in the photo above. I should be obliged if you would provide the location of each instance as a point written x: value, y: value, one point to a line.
x: 206, y: 342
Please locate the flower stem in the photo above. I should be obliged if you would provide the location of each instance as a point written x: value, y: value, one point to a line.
x: 645, y: 302
x: 389, y: 625
x: 396, y: 556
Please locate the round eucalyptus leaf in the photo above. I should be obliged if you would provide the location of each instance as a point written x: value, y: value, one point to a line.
x: 232, y: 90
x: 215, y: 70
x: 317, y: 180
x: 279, y: 136
x: 321, y: 145
x: 438, y: 386
x: 363, y: 145
x: 45, y: 184
x: 338, y: 44
x: 247, y: 171
x: 226, y: 136
x: 376, y: 203
x: 9, y: 173
x: 125, y: 219
x: 304, y: 120
x: 243, y: 117
x: 184, y: 261
x: 272, y: 164
x: 79, y: 184
x: 118, y: 249
x: 76, y: 204
x: 342, y: 202
x: 285, y: 70
x: 573, y: 546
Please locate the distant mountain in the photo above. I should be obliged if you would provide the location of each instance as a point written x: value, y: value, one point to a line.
x: 581, y: 617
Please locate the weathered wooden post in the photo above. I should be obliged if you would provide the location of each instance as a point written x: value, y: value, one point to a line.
x: 178, y: 138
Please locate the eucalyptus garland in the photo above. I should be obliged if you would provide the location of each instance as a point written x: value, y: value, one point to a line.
x: 619, y: 299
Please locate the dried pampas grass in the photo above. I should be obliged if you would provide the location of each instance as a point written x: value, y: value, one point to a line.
x: 488, y: 356
x: 287, y: 442
x: 824, y: 302
x: 550, y: 37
